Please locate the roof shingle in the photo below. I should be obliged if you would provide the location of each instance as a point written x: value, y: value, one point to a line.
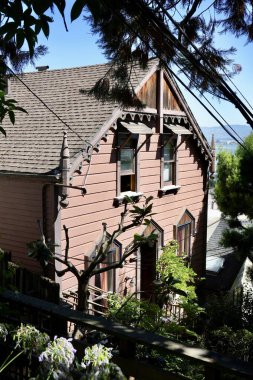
x: 33, y: 144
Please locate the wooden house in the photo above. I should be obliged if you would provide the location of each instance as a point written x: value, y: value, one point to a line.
x: 71, y: 159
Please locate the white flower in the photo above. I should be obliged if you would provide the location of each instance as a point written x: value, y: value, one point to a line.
x: 30, y: 339
x: 96, y: 356
x: 3, y: 332
x: 60, y: 354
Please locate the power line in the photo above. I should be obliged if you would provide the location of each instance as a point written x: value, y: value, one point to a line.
x: 228, y: 77
x: 170, y: 70
x: 187, y: 54
x: 42, y: 101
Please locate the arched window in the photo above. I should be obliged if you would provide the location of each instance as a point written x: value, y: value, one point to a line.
x: 184, y: 230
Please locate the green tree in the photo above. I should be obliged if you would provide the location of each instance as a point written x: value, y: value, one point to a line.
x: 234, y: 196
x: 181, y: 33
x: 21, y: 21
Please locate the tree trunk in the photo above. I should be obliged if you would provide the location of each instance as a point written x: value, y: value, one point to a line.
x: 83, y: 294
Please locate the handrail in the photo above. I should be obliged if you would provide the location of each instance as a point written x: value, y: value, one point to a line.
x: 131, y: 336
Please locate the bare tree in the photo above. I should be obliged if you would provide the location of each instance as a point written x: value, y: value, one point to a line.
x: 44, y: 253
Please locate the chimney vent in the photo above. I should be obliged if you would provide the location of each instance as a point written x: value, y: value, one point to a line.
x: 42, y: 68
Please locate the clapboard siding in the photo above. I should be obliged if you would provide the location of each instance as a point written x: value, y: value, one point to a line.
x: 85, y: 214
x: 20, y: 212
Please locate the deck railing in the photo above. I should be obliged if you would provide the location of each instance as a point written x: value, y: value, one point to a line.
x: 128, y: 338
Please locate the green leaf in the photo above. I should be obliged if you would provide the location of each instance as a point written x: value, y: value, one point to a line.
x: 12, y: 117
x: 77, y: 9
x: 149, y: 199
x: 2, y: 131
x: 20, y: 109
x: 8, y: 27
x: 40, y: 7
x: 45, y: 27
x: 20, y: 38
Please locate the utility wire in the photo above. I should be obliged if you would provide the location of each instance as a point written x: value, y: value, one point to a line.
x: 211, y: 105
x: 185, y: 52
x: 171, y: 71
x: 42, y: 101
x: 228, y: 77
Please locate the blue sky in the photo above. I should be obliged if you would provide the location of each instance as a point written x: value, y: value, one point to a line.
x: 78, y: 47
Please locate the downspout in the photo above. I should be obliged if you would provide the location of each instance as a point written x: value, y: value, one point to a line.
x: 65, y: 166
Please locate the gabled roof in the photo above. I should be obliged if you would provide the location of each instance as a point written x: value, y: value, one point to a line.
x: 33, y: 144
x: 54, y: 104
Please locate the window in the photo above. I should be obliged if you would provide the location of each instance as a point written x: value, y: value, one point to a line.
x: 127, y: 143
x: 171, y: 141
x: 169, y: 162
x: 107, y: 280
x: 183, y: 232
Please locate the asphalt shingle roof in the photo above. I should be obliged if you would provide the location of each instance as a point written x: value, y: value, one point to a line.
x: 33, y: 144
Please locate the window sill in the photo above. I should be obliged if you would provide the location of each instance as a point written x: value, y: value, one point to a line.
x: 171, y: 189
x: 134, y: 196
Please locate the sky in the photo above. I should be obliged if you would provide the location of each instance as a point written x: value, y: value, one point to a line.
x: 78, y: 47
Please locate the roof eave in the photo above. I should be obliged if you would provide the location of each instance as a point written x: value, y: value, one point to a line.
x: 52, y: 178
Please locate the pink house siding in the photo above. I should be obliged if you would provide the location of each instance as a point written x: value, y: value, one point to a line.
x: 44, y: 164
x: 85, y: 214
x: 21, y: 207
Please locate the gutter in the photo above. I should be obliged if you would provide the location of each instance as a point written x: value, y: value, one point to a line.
x: 51, y: 178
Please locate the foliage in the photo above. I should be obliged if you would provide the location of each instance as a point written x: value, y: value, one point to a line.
x: 176, y: 280
x: 176, y: 284
x: 28, y: 338
x: 96, y: 356
x: 56, y: 359
x: 181, y: 35
x: 20, y: 23
x: 130, y: 32
x: 234, y: 196
x: 238, y: 343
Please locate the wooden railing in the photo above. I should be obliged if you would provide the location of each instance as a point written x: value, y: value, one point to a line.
x: 97, y: 302
x: 128, y: 338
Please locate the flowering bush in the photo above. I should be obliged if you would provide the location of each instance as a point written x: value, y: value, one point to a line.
x: 30, y: 340
x: 96, y: 356
x: 57, y: 358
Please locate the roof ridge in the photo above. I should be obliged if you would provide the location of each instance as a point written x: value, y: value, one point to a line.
x: 79, y: 67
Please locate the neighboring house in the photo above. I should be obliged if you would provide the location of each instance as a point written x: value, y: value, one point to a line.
x: 79, y: 180
x: 225, y: 271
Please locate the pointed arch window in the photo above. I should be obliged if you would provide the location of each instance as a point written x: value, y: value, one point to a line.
x: 183, y: 231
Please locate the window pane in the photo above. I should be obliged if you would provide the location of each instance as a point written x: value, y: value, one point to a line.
x: 167, y: 171
x: 127, y: 183
x: 168, y: 152
x: 184, y: 239
x: 127, y: 160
